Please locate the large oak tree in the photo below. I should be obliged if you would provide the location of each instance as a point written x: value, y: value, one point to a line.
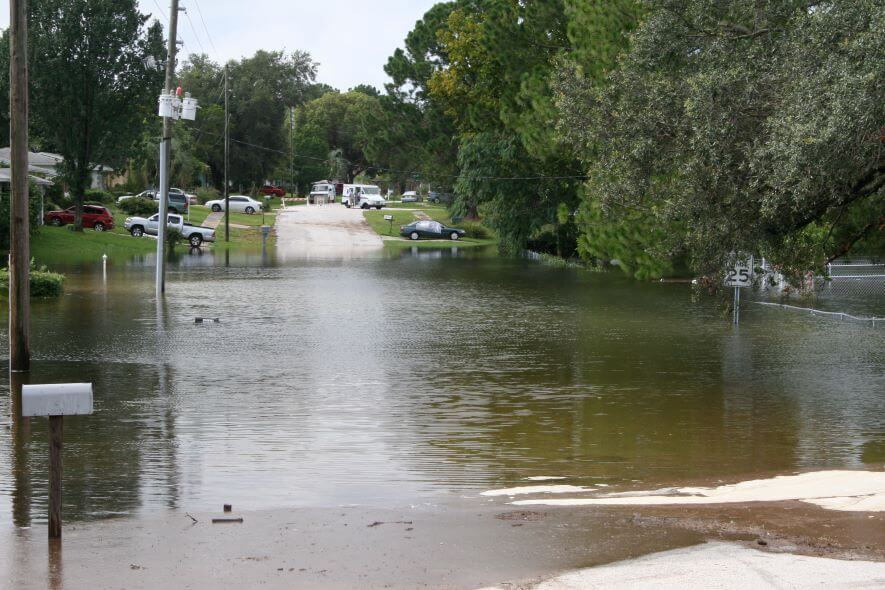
x: 95, y: 73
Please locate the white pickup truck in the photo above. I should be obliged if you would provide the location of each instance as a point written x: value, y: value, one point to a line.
x: 195, y: 235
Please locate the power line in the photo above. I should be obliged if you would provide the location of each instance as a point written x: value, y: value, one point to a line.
x: 194, y: 29
x: 208, y: 35
x: 162, y: 14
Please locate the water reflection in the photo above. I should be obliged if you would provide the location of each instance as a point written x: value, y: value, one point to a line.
x: 397, y: 379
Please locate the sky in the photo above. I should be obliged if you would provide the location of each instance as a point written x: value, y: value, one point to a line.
x: 351, y: 39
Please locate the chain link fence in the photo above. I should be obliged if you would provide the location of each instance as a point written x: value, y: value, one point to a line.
x: 851, y: 290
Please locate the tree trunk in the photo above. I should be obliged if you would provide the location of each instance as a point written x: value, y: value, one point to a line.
x: 472, y: 210
x: 79, y: 191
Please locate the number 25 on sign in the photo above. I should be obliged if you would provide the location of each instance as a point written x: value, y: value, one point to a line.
x: 739, y: 277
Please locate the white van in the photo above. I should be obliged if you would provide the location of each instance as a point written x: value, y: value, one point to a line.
x: 322, y: 192
x: 364, y: 196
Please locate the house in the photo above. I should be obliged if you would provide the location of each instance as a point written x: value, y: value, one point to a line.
x: 50, y: 165
x: 6, y: 179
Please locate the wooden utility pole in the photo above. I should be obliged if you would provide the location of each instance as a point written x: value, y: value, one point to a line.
x: 56, y: 435
x: 226, y: 157
x: 19, y: 240
x: 165, y: 150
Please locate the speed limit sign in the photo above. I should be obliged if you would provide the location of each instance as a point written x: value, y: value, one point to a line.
x: 740, y: 275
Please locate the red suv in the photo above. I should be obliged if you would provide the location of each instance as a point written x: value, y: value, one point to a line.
x: 272, y: 190
x: 98, y: 218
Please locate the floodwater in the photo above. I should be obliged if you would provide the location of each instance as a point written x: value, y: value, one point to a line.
x: 409, y: 378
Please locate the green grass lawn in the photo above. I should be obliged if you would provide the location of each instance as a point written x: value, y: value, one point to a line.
x: 383, y: 227
x: 55, y: 245
x: 422, y: 205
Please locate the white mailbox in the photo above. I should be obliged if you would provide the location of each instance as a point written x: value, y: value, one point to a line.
x: 388, y: 218
x: 57, y: 399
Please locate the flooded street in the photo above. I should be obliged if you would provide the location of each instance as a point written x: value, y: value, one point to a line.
x: 421, y: 380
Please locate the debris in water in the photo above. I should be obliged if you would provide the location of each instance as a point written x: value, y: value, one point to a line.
x: 379, y: 523
x: 223, y: 520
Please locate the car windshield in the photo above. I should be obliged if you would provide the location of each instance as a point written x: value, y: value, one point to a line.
x: 371, y: 190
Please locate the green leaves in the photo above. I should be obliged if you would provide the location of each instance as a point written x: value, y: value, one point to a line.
x: 737, y: 127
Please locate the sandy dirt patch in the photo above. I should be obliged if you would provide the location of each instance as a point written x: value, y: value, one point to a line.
x: 860, y: 491
x: 723, y: 565
x: 325, y: 232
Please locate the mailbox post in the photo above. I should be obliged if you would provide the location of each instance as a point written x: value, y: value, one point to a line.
x: 56, y: 400
x: 389, y: 218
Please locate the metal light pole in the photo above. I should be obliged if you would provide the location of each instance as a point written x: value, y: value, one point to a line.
x: 226, y: 157
x: 19, y: 241
x: 165, y: 145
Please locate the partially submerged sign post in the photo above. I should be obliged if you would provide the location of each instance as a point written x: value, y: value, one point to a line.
x: 739, y: 277
x: 56, y: 400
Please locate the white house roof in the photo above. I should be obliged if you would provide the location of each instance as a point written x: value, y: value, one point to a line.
x: 6, y: 177
x: 45, y: 162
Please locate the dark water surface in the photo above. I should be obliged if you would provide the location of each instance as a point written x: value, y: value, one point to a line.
x: 403, y: 379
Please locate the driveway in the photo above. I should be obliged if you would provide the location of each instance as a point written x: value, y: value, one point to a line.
x: 325, y: 231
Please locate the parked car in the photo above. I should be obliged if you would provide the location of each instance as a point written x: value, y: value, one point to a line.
x: 178, y: 203
x: 445, y: 198
x: 195, y: 235
x: 94, y: 216
x: 238, y: 203
x: 410, y: 197
x: 272, y: 190
x: 430, y: 229
x: 152, y: 194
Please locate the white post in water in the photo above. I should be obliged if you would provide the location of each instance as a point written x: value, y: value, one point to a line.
x: 56, y: 400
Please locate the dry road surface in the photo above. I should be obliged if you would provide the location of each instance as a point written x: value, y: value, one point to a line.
x: 327, y: 231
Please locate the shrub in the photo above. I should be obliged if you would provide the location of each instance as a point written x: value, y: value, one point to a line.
x: 34, y: 210
x: 140, y: 207
x: 476, y: 230
x: 207, y: 194
x: 98, y: 196
x: 43, y: 282
x: 173, y: 237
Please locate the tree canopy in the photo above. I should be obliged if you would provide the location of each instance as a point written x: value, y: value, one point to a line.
x: 736, y: 128
x: 94, y: 70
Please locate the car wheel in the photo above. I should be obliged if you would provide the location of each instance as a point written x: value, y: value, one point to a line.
x: 173, y: 210
x: 364, y: 206
x: 414, y: 235
x: 99, y: 226
x: 195, y: 240
x: 137, y: 231
x: 56, y: 222
x: 249, y: 210
x: 216, y: 208
x: 455, y: 235
x: 378, y: 207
